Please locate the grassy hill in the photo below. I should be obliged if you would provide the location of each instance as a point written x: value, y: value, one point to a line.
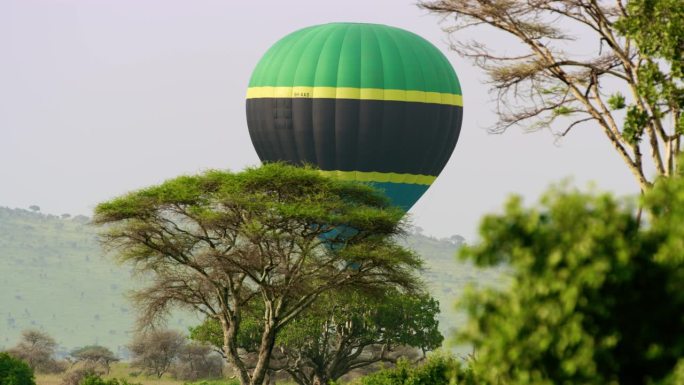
x: 55, y: 277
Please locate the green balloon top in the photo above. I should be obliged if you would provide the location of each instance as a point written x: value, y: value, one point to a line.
x: 356, y: 55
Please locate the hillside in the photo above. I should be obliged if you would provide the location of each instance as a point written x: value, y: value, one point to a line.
x: 54, y: 277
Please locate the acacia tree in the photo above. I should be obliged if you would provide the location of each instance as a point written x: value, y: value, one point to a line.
x: 94, y: 354
x: 156, y: 350
x: 342, y: 332
x: 631, y: 88
x: 280, y: 234
x: 38, y: 349
x: 198, y: 361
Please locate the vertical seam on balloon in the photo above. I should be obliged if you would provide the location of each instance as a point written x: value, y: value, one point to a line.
x: 362, y: 30
x: 318, y: 160
x: 294, y: 78
x: 318, y: 61
x: 444, y: 68
x: 419, y: 50
x: 447, y: 149
x: 269, y: 144
x: 454, y: 113
x: 282, y: 43
x: 384, y: 84
x: 280, y: 72
x: 403, y: 62
x: 390, y: 39
x: 288, y: 54
x: 439, y: 162
x: 428, y: 164
x: 337, y: 81
x: 455, y: 85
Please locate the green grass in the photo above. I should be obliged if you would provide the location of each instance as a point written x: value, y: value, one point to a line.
x: 120, y: 370
x: 54, y: 277
x: 233, y: 381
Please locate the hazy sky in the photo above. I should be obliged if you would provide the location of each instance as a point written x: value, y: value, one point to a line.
x: 99, y: 97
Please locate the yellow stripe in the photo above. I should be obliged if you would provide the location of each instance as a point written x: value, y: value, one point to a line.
x: 380, y: 177
x: 355, y: 93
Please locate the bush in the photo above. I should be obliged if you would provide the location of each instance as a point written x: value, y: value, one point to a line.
x: 54, y: 367
x: 437, y: 370
x: 80, y: 371
x: 97, y: 380
x: 14, y: 371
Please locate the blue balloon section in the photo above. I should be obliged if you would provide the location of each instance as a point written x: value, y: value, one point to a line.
x: 403, y: 195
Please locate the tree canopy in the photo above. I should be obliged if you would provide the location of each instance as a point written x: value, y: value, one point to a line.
x: 595, y: 297
x: 285, y: 235
x: 630, y: 87
x: 37, y: 349
x: 14, y: 371
x: 156, y: 350
x: 95, y: 354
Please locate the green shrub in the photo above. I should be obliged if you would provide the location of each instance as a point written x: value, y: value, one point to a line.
x: 97, y: 380
x: 437, y: 370
x: 14, y: 371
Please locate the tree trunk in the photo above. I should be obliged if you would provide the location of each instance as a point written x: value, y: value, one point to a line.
x: 265, y: 350
x: 229, y: 328
x: 320, y: 379
x: 270, y: 377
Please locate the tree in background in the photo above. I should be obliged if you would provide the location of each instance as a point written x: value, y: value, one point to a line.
x: 197, y: 361
x: 283, y: 235
x: 343, y: 332
x: 156, y: 350
x: 37, y: 348
x: 594, y: 297
x: 631, y: 87
x: 98, y: 355
x: 13, y: 371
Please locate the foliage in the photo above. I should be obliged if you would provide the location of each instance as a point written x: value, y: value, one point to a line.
x: 342, y: 332
x: 14, y: 371
x: 438, y: 369
x: 97, y: 380
x: 95, y: 354
x: 657, y: 26
x: 595, y: 297
x: 81, y: 370
x: 215, y: 241
x: 543, y: 78
x: 155, y: 350
x: 37, y: 349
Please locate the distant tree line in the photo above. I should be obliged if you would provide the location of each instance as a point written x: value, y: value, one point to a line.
x: 154, y: 353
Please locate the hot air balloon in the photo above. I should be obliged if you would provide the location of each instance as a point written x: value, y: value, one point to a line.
x: 363, y: 102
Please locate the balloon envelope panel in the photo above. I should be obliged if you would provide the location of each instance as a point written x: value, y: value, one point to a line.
x: 363, y: 102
